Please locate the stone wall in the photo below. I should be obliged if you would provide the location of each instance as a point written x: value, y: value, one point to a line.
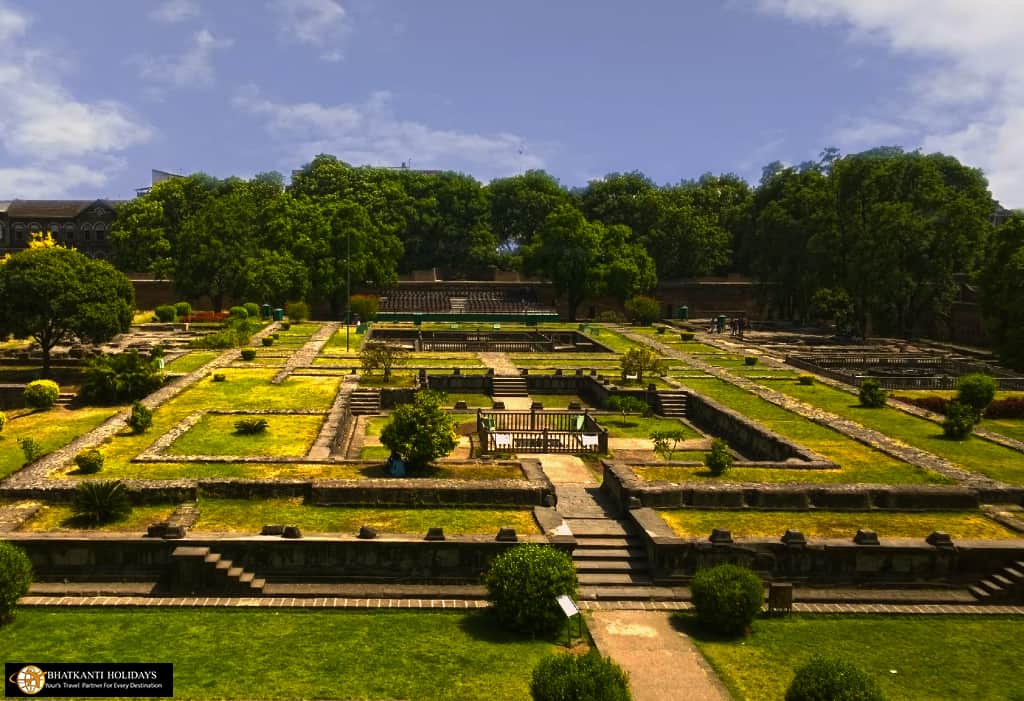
x: 674, y: 560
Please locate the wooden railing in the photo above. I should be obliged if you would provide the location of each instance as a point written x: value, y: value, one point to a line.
x: 540, y: 432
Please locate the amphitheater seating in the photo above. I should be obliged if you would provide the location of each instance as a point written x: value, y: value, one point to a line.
x: 461, y: 300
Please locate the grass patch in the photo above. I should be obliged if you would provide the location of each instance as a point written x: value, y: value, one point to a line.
x: 374, y: 452
x: 286, y: 434
x: 974, y: 454
x: 53, y: 429
x: 762, y: 665
x: 473, y: 401
x: 292, y: 653
x: 243, y: 516
x: 652, y: 473
x: 193, y: 360
x: 476, y: 471
x: 1011, y: 428
x: 859, y: 463
x: 642, y: 426
x: 398, y: 379
x: 60, y: 518
x: 337, y: 341
x: 558, y: 401
x: 690, y: 523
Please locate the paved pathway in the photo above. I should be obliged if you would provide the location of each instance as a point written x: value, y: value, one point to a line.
x: 663, y: 663
x: 304, y: 356
x: 328, y: 443
x: 499, y: 362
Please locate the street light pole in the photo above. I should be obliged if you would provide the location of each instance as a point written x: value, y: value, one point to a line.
x: 348, y: 282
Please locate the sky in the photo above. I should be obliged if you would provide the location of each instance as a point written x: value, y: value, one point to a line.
x: 94, y: 94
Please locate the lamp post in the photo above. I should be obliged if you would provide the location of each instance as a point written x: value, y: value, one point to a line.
x: 348, y: 282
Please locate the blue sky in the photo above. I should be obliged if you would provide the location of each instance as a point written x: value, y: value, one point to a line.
x: 97, y: 93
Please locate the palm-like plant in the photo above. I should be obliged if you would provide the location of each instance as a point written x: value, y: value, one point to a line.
x: 101, y: 502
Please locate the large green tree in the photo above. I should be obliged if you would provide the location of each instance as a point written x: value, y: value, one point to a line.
x: 567, y: 251
x: 1002, y: 287
x: 57, y: 295
x: 520, y: 204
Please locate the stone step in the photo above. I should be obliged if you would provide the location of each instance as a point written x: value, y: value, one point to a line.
x: 597, y: 527
x: 1002, y: 581
x: 990, y: 586
x: 1015, y: 575
x: 235, y: 572
x: 191, y: 551
x: 586, y: 553
x: 257, y: 584
x: 246, y: 577
x: 610, y: 566
x: 223, y: 565
x: 979, y: 593
x: 636, y: 592
x: 601, y: 579
x: 212, y: 558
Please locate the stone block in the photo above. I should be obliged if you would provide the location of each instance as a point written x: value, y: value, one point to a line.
x: 866, y: 537
x: 272, y: 529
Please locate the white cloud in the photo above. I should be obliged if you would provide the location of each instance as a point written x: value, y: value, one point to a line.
x: 970, y: 104
x: 868, y: 133
x: 194, y: 67
x: 323, y: 24
x: 370, y: 133
x: 51, y: 141
x: 173, y: 11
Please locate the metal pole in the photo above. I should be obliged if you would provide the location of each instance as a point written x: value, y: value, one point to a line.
x: 348, y: 282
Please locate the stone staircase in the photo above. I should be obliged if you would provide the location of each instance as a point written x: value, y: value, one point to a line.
x: 1004, y: 587
x: 672, y: 403
x: 509, y: 386
x: 364, y: 401
x: 201, y: 570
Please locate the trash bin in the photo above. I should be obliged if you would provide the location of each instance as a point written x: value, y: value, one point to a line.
x: 265, y: 311
x: 684, y: 313
x: 279, y: 314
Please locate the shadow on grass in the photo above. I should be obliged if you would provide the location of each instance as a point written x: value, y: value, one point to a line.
x: 686, y: 622
x: 485, y: 627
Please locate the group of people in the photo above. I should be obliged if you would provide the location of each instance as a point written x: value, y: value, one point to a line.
x: 737, y: 325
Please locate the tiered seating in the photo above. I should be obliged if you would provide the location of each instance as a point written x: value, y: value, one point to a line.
x: 462, y: 300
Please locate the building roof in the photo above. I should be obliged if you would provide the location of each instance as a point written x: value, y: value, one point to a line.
x: 3, y: 206
x: 60, y: 209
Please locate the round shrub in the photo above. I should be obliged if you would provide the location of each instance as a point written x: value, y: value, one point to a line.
x: 977, y: 391
x: 297, y: 311
x: 832, y: 679
x: 183, y: 309
x: 718, y: 459
x: 871, y: 394
x: 3, y: 420
x: 219, y: 377
x: 248, y: 354
x: 267, y: 340
x: 687, y: 336
x: 141, y: 418
x: 252, y: 309
x: 238, y: 313
x: 610, y: 316
x: 30, y: 448
x: 523, y: 583
x: 805, y: 378
x: 642, y: 310
x: 15, y: 577
x: 727, y: 598
x: 750, y: 360
x: 960, y: 419
x: 285, y: 325
x: 41, y: 394
x: 98, y: 502
x: 563, y: 676
x: 89, y: 461
x: 165, y: 313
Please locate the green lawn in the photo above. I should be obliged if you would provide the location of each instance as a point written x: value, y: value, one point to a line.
x: 692, y: 523
x: 642, y: 426
x: 290, y: 653
x: 859, y: 463
x: 60, y: 518
x: 193, y: 360
x: 306, y: 471
x: 1011, y: 428
x: 243, y: 516
x: 473, y: 401
x: 558, y: 402
x: 924, y: 658
x: 52, y: 429
x: 214, y: 434
x: 337, y: 341
x: 972, y: 454
x: 481, y: 471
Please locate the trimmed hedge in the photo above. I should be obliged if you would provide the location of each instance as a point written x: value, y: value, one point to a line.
x: 523, y: 583
x: 871, y: 394
x: 15, y: 577
x: 141, y: 418
x: 563, y: 676
x: 166, y: 313
x: 89, y: 461
x: 832, y: 679
x: 41, y: 394
x: 727, y: 598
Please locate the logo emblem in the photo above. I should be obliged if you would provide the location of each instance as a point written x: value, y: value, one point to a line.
x: 30, y: 680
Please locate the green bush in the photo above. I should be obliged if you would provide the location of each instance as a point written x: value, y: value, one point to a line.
x: 365, y: 307
x: 219, y: 377
x: 642, y: 310
x: 610, y: 316
x: 871, y: 394
x: 183, y: 309
x: 563, y: 676
x: 89, y: 461
x: 805, y: 378
x: 977, y: 391
x: 727, y: 598
x: 286, y: 325
x: 15, y: 577
x: 718, y: 459
x: 250, y: 427
x: 252, y: 309
x: 236, y: 332
x: 99, y: 502
x: 297, y: 311
x: 960, y: 420
x: 3, y: 420
x: 121, y: 377
x: 248, y: 354
x: 165, y: 313
x: 832, y: 679
x: 141, y: 418
x: 750, y: 360
x: 687, y: 335
x: 267, y: 340
x: 238, y: 312
x: 422, y: 431
x: 523, y: 583
x: 41, y: 394
x: 30, y: 448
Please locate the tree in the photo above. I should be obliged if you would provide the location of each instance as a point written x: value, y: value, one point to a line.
x: 520, y: 204
x: 58, y: 295
x: 1002, y: 291
x: 121, y: 377
x: 422, y: 431
x: 380, y: 355
x: 626, y: 268
x: 639, y: 361
x: 567, y: 251
x: 15, y: 577
x: 627, y: 404
x: 643, y: 310
x: 976, y: 390
x: 666, y: 443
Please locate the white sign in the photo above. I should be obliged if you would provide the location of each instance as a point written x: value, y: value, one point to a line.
x: 568, y: 607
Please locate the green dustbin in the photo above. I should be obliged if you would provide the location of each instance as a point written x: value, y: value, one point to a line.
x: 684, y: 313
x: 279, y: 314
x: 265, y: 311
